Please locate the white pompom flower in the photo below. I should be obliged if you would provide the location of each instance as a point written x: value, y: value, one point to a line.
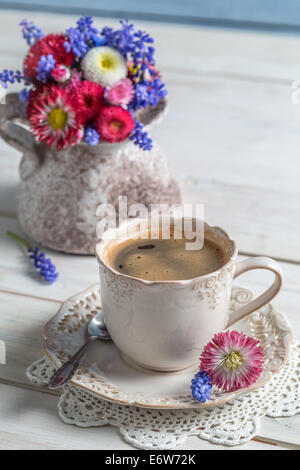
x: 104, y: 65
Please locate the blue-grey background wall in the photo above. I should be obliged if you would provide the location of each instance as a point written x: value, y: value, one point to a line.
x: 281, y: 15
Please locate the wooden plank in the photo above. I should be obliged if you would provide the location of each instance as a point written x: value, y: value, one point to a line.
x: 23, y: 317
x: 78, y: 272
x: 198, y: 49
x: 240, y: 158
x: 262, y: 222
x: 251, y: 168
x: 236, y: 12
x: 28, y: 420
x: 18, y: 274
x: 22, y: 320
x: 281, y: 429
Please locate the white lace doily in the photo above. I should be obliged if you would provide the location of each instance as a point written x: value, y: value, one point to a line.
x: 231, y: 424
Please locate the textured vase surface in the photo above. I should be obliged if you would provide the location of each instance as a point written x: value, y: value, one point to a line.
x: 60, y: 191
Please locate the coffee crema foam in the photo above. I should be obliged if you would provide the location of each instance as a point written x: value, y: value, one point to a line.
x: 165, y: 260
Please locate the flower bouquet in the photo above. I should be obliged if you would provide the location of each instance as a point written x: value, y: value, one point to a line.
x: 86, y: 84
x: 82, y: 123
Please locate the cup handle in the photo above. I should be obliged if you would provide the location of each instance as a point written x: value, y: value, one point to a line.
x: 259, y: 262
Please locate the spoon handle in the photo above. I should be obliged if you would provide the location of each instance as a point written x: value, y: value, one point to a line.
x: 64, y: 374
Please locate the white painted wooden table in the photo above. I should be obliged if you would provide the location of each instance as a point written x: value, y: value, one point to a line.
x: 234, y: 135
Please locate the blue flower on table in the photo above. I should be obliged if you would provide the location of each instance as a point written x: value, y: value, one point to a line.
x: 43, y: 265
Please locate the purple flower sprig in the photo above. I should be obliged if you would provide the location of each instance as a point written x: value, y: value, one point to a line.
x: 141, y: 137
x: 83, y: 37
x: 31, y: 33
x: 147, y: 93
x: 24, y: 95
x: 45, y: 65
x: 10, y: 76
x: 201, y: 387
x: 91, y: 136
x: 43, y: 265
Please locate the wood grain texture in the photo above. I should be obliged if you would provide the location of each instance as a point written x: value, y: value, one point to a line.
x: 233, y: 137
x: 225, y: 132
x: 79, y: 272
x: 28, y: 420
x: 23, y: 318
x: 18, y: 274
x: 217, y: 51
x: 233, y: 11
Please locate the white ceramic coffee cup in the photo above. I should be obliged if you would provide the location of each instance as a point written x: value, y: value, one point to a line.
x: 164, y: 325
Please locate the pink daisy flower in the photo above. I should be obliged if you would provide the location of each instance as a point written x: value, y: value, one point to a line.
x: 120, y: 93
x: 232, y: 360
x: 61, y: 73
x: 53, y: 117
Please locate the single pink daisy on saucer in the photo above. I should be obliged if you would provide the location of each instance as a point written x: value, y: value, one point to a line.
x: 232, y: 360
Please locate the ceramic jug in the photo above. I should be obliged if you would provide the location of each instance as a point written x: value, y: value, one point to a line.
x: 60, y: 191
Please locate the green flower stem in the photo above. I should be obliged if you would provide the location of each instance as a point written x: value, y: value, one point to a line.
x: 18, y: 239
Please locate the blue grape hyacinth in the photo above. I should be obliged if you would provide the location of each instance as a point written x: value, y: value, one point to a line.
x: 45, y: 65
x: 141, y: 137
x: 201, y: 387
x: 83, y: 37
x: 31, y: 33
x: 10, y: 76
x: 91, y: 136
x: 43, y: 265
x: 24, y: 95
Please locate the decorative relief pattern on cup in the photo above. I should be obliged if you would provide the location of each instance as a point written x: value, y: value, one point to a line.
x: 62, y: 337
x: 212, y: 288
x: 120, y: 289
x: 239, y: 297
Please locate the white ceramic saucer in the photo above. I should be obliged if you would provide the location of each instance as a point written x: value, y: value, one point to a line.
x: 105, y: 373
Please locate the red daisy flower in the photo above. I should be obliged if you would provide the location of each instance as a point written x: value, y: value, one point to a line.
x: 38, y: 90
x: 53, y: 117
x: 114, y: 124
x: 50, y: 44
x: 89, y: 99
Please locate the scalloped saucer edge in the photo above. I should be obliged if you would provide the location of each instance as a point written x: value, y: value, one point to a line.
x: 107, y: 375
